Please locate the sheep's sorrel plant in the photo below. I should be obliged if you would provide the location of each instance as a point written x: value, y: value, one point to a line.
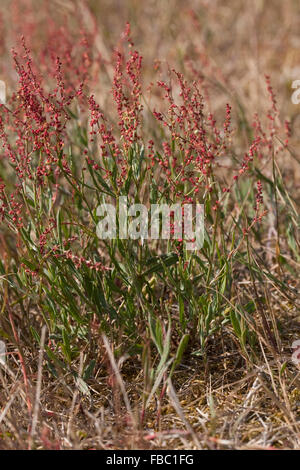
x: 62, y: 157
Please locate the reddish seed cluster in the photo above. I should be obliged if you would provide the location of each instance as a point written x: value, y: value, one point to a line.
x: 79, y: 260
x: 197, y: 138
x: 273, y: 113
x: 39, y: 120
x: 128, y: 105
x: 3, y: 201
x: 259, y: 196
x: 127, y: 97
x: 34, y: 126
x: 44, y: 235
x: 271, y: 93
x: 99, y: 127
x: 187, y: 129
x: 227, y: 124
x: 51, y: 35
x: 11, y: 208
x: 288, y: 132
